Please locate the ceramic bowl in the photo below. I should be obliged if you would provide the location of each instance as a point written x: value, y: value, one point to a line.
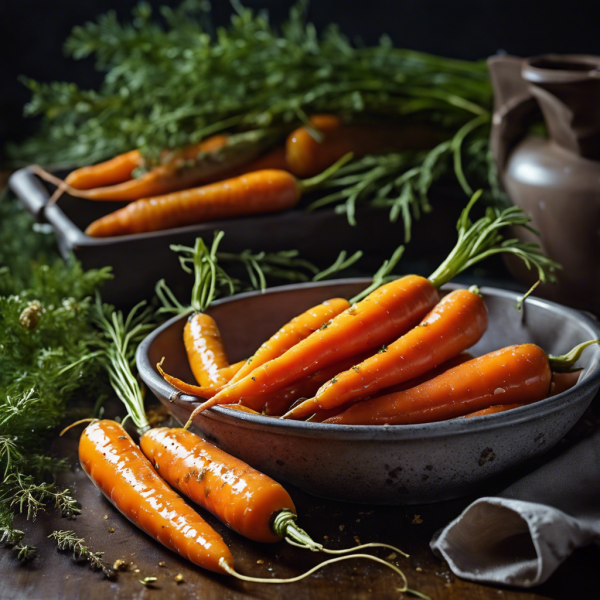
x: 399, y: 464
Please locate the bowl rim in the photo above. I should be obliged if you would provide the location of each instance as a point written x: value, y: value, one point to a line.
x: 339, y: 432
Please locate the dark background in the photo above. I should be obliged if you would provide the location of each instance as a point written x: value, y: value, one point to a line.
x: 32, y: 33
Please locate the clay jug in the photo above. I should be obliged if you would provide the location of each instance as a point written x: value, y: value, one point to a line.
x: 555, y: 178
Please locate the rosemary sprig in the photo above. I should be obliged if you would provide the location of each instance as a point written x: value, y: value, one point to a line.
x: 68, y: 540
x: 121, y: 337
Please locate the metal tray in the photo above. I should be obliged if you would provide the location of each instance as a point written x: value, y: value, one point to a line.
x: 138, y: 261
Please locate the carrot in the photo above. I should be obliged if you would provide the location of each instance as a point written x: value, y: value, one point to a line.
x: 307, y: 156
x: 115, y: 170
x: 513, y: 375
x: 492, y: 410
x: 390, y: 310
x: 320, y: 415
x: 205, y: 350
x: 293, y: 332
x: 258, y: 192
x: 125, y: 476
x: 456, y: 323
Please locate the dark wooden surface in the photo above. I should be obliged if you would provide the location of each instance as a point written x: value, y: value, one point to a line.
x: 54, y: 575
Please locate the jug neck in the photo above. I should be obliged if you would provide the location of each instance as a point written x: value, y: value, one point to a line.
x: 567, y: 89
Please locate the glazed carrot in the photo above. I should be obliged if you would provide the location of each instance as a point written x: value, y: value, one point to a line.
x: 307, y: 156
x: 244, y: 499
x: 492, y: 410
x: 513, y: 375
x: 320, y: 415
x: 205, y: 350
x: 291, y: 333
x: 195, y: 390
x: 258, y: 192
x: 115, y: 170
x: 456, y: 323
x: 127, y: 479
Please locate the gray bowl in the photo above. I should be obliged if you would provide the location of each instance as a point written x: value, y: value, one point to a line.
x: 399, y: 464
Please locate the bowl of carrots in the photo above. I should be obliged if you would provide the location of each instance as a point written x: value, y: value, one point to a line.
x: 457, y: 420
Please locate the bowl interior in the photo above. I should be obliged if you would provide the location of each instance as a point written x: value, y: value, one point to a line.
x: 249, y: 319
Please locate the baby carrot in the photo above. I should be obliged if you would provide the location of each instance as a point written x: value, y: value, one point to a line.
x: 205, y: 350
x: 456, y: 323
x: 127, y: 479
x: 513, y: 375
x: 291, y: 333
x: 307, y: 156
x: 258, y: 192
x: 115, y: 170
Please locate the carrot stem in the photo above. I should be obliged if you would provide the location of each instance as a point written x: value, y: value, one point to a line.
x: 564, y: 363
x: 307, y: 185
x: 481, y: 239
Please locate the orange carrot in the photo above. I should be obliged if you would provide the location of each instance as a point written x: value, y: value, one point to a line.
x: 320, y: 415
x: 115, y: 170
x: 291, y: 333
x: 205, y: 351
x: 456, y: 323
x: 513, y: 375
x: 258, y: 192
x: 307, y: 156
x: 244, y: 499
x: 381, y: 317
x: 125, y: 476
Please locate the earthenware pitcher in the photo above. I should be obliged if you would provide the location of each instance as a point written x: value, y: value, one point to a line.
x: 554, y: 177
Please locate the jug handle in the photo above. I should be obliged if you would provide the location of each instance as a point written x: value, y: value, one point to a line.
x: 513, y: 104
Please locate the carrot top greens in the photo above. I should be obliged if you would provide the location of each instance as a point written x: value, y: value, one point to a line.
x: 174, y: 79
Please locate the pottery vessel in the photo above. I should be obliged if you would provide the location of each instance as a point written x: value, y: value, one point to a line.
x: 554, y: 176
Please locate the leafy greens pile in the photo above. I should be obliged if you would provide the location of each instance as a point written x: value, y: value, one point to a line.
x: 45, y: 330
x: 176, y: 80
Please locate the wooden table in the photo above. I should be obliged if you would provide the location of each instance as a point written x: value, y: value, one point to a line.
x: 54, y: 575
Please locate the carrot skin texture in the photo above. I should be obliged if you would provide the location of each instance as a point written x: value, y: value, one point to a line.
x: 382, y: 316
x: 205, y: 351
x: 127, y: 479
x: 241, y: 497
x: 291, y: 333
x: 456, y: 323
x: 513, y: 375
x: 257, y: 192
x: 113, y: 171
x: 320, y: 415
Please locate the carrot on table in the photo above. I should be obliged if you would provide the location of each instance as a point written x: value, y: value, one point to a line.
x: 127, y: 479
x: 456, y: 323
x: 258, y: 192
x: 513, y: 375
x: 390, y: 310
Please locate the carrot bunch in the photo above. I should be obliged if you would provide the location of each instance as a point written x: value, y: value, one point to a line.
x: 392, y: 333
x: 237, y: 174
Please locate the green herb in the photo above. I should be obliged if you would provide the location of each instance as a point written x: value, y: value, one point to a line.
x: 382, y: 350
x: 45, y: 330
x: 334, y: 380
x: 68, y: 540
x: 175, y: 81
